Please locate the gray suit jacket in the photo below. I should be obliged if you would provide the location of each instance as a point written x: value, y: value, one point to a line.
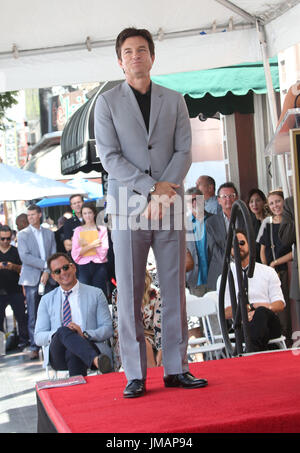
x: 32, y: 264
x: 96, y: 319
x: 135, y: 159
x: 216, y: 243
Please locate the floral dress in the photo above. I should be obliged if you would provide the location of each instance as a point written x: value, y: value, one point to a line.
x: 151, y: 321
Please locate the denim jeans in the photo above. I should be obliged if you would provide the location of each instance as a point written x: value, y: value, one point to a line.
x: 17, y: 303
x: 94, y: 274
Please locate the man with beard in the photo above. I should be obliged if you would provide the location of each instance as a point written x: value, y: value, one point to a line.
x: 264, y: 295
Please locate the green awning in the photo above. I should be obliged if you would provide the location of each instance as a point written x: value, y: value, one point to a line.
x: 217, y: 82
x: 225, y: 90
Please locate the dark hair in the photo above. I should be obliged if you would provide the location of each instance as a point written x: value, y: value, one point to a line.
x: 241, y: 231
x: 193, y: 191
x: 57, y: 255
x: 129, y: 33
x: 34, y: 207
x: 259, y: 193
x: 75, y: 195
x: 227, y: 185
x: 5, y: 229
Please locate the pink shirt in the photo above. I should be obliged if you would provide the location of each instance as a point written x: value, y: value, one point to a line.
x: 101, y: 252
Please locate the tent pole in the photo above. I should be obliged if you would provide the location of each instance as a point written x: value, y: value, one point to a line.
x: 273, y: 106
x: 270, y: 90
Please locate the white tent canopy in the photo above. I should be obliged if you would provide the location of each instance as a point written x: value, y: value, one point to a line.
x: 72, y: 41
x: 19, y: 185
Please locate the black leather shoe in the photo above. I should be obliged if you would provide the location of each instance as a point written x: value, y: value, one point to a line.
x: 184, y: 380
x: 103, y: 364
x: 135, y: 388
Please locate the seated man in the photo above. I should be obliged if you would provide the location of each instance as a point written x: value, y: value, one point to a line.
x: 264, y: 295
x: 73, y: 322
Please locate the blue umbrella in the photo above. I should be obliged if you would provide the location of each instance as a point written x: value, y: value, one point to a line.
x: 93, y: 190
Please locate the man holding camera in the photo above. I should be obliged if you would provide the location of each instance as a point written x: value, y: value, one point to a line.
x: 10, y: 291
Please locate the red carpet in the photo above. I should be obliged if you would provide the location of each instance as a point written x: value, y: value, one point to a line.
x: 254, y: 394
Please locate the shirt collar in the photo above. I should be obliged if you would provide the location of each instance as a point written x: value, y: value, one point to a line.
x: 75, y: 288
x: 138, y: 93
x: 35, y: 230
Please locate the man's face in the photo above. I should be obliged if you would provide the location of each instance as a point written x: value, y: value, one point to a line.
x: 5, y: 238
x: 243, y: 246
x: 195, y: 205
x: 76, y: 204
x: 66, y: 278
x: 34, y: 218
x: 136, y: 60
x: 226, y: 198
x: 206, y: 188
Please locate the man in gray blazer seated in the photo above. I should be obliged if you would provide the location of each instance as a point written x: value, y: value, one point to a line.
x: 35, y: 245
x: 73, y: 322
x: 143, y: 139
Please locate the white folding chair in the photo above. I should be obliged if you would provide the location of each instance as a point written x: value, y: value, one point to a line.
x: 203, y: 307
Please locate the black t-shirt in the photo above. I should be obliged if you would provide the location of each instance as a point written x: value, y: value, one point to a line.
x: 144, y: 101
x: 69, y: 227
x: 9, y: 279
x: 279, y: 248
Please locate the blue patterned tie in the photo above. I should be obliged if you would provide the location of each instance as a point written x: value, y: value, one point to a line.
x: 67, y: 317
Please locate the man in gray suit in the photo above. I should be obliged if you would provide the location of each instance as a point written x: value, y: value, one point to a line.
x: 73, y: 322
x: 143, y: 139
x: 35, y: 245
x: 217, y: 227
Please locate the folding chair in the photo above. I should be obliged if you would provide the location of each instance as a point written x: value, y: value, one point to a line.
x: 203, y: 307
x: 280, y: 341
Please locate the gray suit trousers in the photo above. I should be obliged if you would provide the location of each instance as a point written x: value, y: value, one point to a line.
x: 131, y: 248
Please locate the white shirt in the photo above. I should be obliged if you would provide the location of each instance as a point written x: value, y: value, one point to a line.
x: 74, y: 304
x: 264, y: 286
x: 39, y: 237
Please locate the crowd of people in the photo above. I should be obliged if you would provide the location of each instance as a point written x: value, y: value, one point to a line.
x: 25, y: 275
x: 267, y: 214
x: 143, y: 140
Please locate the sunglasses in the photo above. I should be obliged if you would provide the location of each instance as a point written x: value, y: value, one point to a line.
x: 241, y: 242
x: 230, y: 196
x: 6, y: 239
x: 65, y: 268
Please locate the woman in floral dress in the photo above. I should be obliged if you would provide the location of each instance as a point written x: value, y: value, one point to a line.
x: 151, y: 309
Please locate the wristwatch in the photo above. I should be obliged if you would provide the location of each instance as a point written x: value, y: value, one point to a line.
x: 152, y: 189
x: 87, y: 335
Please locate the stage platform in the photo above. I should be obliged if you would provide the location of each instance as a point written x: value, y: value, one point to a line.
x: 257, y: 393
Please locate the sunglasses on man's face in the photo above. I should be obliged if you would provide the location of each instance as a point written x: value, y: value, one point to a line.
x: 242, y: 242
x: 65, y: 268
x: 6, y: 239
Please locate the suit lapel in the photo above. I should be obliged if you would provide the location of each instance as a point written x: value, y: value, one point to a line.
x: 44, y: 236
x: 135, y: 106
x: 35, y: 245
x: 83, y: 303
x: 156, y: 103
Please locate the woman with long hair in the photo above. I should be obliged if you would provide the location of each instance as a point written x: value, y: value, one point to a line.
x: 256, y: 203
x: 275, y: 254
x: 89, y: 249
